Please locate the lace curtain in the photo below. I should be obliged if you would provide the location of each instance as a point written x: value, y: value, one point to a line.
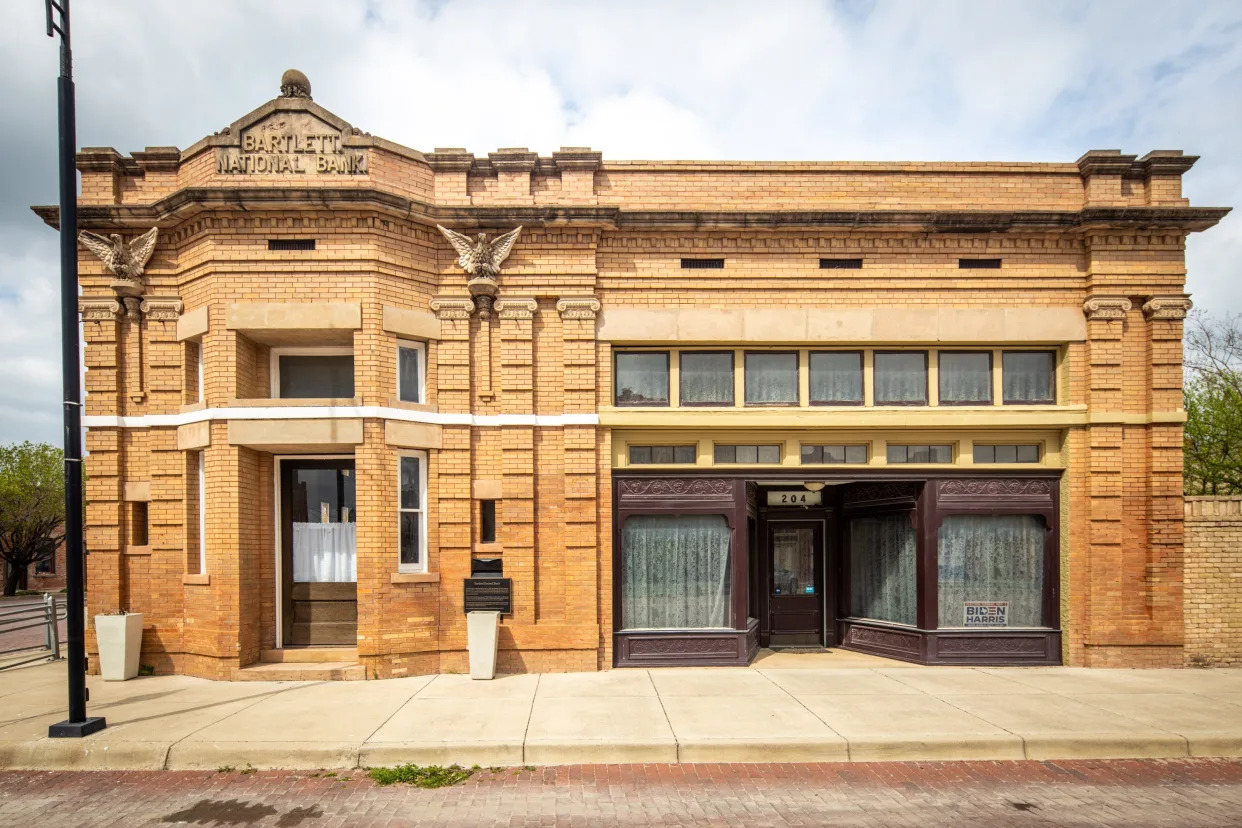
x: 900, y: 378
x: 882, y: 569
x: 324, y: 552
x: 675, y: 573
x: 992, y: 558
x: 642, y: 378
x: 965, y: 378
x: 707, y: 378
x: 836, y: 377
x: 772, y: 378
x: 1027, y: 375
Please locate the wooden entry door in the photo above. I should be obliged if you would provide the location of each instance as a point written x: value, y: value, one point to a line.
x: 795, y: 582
x: 319, y: 580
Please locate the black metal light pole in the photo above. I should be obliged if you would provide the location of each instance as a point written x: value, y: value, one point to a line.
x: 78, y: 724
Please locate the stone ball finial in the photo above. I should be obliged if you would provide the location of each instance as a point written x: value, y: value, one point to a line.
x: 294, y: 84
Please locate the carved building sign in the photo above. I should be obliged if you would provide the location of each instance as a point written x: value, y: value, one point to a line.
x: 294, y: 143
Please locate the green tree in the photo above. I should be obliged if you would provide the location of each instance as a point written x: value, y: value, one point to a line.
x: 32, y: 507
x: 1213, y: 401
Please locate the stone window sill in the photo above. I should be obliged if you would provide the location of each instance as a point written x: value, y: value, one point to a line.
x: 137, y: 550
x: 196, y: 580
x: 415, y: 578
x: 495, y: 548
x: 294, y: 402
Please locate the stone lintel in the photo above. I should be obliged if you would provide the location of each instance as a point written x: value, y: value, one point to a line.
x: 192, y: 325
x: 287, y: 316
x: 414, y: 324
x: 294, y: 435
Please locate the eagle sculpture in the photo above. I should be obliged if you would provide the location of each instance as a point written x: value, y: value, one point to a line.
x: 124, y: 262
x: 481, y: 259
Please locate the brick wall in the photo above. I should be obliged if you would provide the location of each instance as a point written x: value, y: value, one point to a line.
x: 1213, y: 582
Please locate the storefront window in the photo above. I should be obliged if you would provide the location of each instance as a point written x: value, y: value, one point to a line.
x: 991, y: 571
x: 882, y: 569
x: 675, y: 573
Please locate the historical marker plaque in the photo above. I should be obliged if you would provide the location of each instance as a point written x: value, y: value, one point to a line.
x: 489, y: 595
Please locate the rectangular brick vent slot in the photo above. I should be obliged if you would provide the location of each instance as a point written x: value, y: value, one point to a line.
x: 290, y: 244
x: 979, y: 264
x: 702, y: 264
x: 840, y: 264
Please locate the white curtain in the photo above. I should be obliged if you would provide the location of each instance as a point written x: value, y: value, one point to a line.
x: 772, y: 378
x: 642, y: 378
x: 992, y: 558
x: 325, y: 552
x: 900, y: 378
x: 1027, y: 375
x: 836, y: 377
x: 707, y: 378
x: 675, y: 573
x: 882, y: 569
x: 965, y: 378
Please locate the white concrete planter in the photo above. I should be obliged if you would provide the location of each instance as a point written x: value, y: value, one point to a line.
x: 482, y: 639
x: 120, y: 644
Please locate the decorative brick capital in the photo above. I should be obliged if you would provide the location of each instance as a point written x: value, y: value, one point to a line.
x: 160, y: 308
x: 578, y: 307
x: 1106, y: 307
x: 516, y: 308
x: 1167, y: 307
x: 99, y: 310
x: 452, y: 307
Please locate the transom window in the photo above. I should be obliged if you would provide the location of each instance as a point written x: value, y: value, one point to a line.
x: 833, y: 454
x: 919, y: 453
x: 747, y: 454
x: 1000, y: 453
x: 644, y: 455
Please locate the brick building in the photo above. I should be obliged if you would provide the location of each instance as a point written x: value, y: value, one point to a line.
x: 925, y: 410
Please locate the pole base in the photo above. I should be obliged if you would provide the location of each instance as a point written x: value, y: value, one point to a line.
x: 76, y: 730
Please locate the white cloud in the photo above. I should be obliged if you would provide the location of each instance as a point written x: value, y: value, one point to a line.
x: 955, y: 79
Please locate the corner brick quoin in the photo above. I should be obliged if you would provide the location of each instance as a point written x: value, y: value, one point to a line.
x: 291, y: 233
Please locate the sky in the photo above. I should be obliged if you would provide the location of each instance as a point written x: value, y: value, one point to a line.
x: 978, y: 80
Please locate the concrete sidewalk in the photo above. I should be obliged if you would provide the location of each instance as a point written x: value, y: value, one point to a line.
x: 786, y: 708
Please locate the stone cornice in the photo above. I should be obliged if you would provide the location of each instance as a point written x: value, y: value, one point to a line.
x: 1167, y: 307
x: 158, y: 159
x: 517, y: 159
x: 452, y: 307
x: 1105, y: 162
x: 191, y: 201
x: 1106, y: 307
x: 450, y: 160
x: 578, y: 307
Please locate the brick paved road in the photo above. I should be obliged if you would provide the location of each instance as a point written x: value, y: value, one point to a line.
x: 1206, y: 792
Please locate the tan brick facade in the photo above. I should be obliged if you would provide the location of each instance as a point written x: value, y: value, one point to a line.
x: 520, y: 402
x: 1213, y: 582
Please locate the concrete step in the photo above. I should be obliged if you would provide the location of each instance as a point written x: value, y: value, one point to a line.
x: 295, y: 671
x: 309, y: 655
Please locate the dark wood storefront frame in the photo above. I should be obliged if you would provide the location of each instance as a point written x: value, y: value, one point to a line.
x: 928, y: 498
